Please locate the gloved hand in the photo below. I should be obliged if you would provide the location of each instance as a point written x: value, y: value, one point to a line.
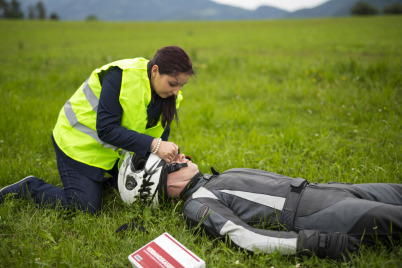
x: 332, y: 245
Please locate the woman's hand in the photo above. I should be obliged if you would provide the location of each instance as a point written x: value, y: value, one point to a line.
x: 167, y: 151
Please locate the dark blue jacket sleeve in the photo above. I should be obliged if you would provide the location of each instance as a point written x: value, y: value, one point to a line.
x: 108, y: 123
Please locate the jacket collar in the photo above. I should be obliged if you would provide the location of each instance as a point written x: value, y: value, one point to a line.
x: 194, y: 184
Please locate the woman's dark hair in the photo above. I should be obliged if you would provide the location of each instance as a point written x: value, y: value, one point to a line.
x: 171, y: 60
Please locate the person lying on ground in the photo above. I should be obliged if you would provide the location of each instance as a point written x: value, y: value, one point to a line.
x: 261, y: 210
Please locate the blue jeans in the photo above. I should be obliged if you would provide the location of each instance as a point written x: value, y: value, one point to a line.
x: 83, y: 185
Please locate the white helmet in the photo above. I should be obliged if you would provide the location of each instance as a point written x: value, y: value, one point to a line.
x: 145, y: 180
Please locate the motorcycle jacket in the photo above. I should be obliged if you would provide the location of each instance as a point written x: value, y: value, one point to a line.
x: 262, y: 210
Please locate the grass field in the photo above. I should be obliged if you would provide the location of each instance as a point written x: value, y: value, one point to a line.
x: 318, y: 99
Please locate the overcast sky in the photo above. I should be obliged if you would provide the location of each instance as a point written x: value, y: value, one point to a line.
x: 289, y: 5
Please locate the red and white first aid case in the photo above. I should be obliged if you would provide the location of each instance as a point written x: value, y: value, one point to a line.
x: 165, y: 251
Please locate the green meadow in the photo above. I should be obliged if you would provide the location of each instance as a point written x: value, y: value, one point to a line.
x: 316, y: 98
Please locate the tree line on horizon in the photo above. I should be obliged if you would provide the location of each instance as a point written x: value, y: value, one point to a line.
x: 12, y: 10
x: 363, y: 8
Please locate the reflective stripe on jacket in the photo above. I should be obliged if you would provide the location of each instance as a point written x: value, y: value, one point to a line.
x: 75, y: 131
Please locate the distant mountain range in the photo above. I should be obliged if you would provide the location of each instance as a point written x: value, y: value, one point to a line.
x: 182, y: 10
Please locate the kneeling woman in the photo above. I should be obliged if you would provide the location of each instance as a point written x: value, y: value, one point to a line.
x: 127, y: 105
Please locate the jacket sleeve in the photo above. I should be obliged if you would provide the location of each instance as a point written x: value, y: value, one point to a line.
x: 109, y: 115
x: 204, y: 208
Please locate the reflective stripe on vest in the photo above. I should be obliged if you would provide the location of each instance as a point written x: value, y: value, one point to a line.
x: 91, y: 97
x: 72, y: 119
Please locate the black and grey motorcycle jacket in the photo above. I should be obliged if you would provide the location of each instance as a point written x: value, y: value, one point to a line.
x: 263, y: 210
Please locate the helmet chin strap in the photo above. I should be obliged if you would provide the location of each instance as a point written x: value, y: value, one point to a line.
x: 175, y: 167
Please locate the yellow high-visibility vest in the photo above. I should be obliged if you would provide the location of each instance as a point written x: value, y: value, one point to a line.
x: 75, y: 131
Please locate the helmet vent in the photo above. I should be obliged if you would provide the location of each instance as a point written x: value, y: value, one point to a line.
x: 131, y: 183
